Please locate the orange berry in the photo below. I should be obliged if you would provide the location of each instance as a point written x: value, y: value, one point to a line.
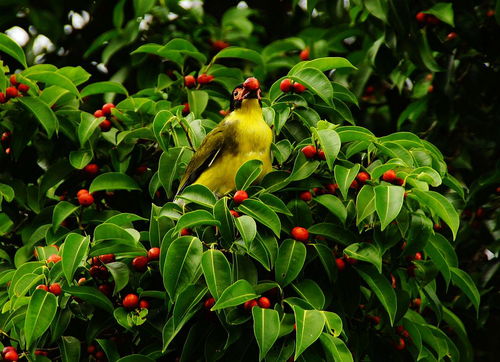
x: 309, y: 151
x: 240, y: 196
x: 154, y: 253
x: 389, y: 176
x: 251, y: 84
x: 304, y: 54
x: 185, y: 232
x: 140, y: 263
x: 286, y: 85
x: 106, y: 109
x: 305, y: 196
x: 189, y: 81
x: 55, y: 289
x: 300, y: 234
x: 130, y: 301
x: 299, y: 88
x: 209, y: 303
x: 264, y: 302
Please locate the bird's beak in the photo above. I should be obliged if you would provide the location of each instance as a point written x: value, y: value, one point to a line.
x: 249, y: 94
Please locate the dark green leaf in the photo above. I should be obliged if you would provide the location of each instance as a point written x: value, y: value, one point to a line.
x: 388, y: 203
x: 290, y: 260
x: 113, y: 181
x: 41, y: 311
x: 42, y: 112
x: 266, y: 328
x: 217, y: 271
x: 73, y: 254
x: 236, y: 294
x: 309, y: 324
x: 262, y: 213
x: 247, y: 174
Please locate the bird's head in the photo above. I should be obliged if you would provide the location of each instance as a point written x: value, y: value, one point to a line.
x: 246, y: 92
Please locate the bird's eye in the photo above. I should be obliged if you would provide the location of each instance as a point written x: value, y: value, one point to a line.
x: 235, y: 93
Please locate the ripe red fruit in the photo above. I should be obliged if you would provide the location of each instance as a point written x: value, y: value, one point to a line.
x: 363, y: 177
x: 251, y: 84
x: 219, y: 44
x: 209, y: 303
x: 99, y: 356
x: 300, y: 233
x: 417, y: 302
x: 189, y: 81
x: 13, y: 80
x: 82, y: 281
x: 375, y: 319
x: 11, y: 356
x: 248, y: 305
x: 186, y: 109
x: 86, y: 199
x: 234, y: 213
x: 105, y: 125
x: 451, y: 36
x: 130, y: 301
x: 305, y: 196
x: 106, y: 109
x: 54, y: 258
x: 141, y: 169
x: 91, y: 349
x: 205, y: 78
x: 98, y: 114
x: 223, y: 112
x: 490, y: 13
x: 6, y: 136
x: 304, y: 54
x: 94, y: 271
x: 24, y: 88
x: 11, y: 92
x: 430, y: 89
x: 389, y: 176
x: 421, y: 17
x: 43, y: 287
x: 400, y: 344
x: 438, y: 227
x: 321, y: 155
x: 319, y: 191
x: 418, y: 256
x: 309, y: 151
x: 143, y: 304
x: 107, y: 258
x: 399, y: 181
x: 431, y: 19
x: 369, y: 90
x: 55, y: 289
x: 106, y: 289
x: 331, y: 188
x: 39, y: 352
x: 7, y: 349
x: 82, y: 192
x: 140, y: 263
x: 286, y: 85
x: 3, y: 98
x: 91, y: 169
x: 354, y: 184
x: 7, y: 151
x: 154, y: 254
x: 299, y: 88
x: 350, y: 260
x: 185, y: 232
x: 340, y: 264
x: 264, y: 302
x: 240, y: 196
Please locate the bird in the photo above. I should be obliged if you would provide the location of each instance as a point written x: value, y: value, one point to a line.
x: 241, y: 136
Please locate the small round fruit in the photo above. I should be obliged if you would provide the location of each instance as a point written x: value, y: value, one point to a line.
x: 82, y: 281
x: 99, y: 356
x: 286, y: 85
x: 416, y: 302
x: 340, y: 264
x: 264, y: 302
x: 91, y: 349
x: 234, y: 213
x: 186, y: 231
x: 375, y: 319
x: 141, y: 169
x: 11, y: 92
x: 143, y: 304
x: 189, y: 81
x: 309, y: 151
x: 350, y: 260
x: 23, y: 88
x: 251, y: 84
x: 300, y: 233
x: 140, y: 263
x: 7, y: 349
x: 154, y: 254
x: 305, y: 196
x: 400, y: 344
x: 421, y: 17
x: 106, y: 289
x: 3, y: 98
x: 299, y: 88
x: 354, y: 184
x: 399, y: 181
x: 94, y: 271
x: 451, y: 36
x: 11, y: 356
x: 219, y: 44
x: 82, y: 192
x: 369, y: 90
x: 304, y: 54
x: 240, y: 196
x: 13, y: 80
x: 363, y: 177
x: 105, y: 125
x: 248, y: 305
x: 86, y: 199
x: 91, y: 169
x: 107, y: 258
x: 205, y: 78
x: 130, y: 301
x: 43, y: 287
x: 54, y: 258
x: 331, y: 188
x: 418, y: 256
x: 186, y: 109
x: 55, y: 289
x: 209, y: 303
x: 98, y: 114
x: 321, y: 155
x: 106, y: 109
x: 389, y: 176
x: 490, y: 13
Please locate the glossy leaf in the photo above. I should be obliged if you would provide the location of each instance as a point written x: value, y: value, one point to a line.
x: 247, y: 174
x: 344, y: 177
x: 41, y: 311
x: 195, y: 218
x: 334, y: 205
x: 290, y: 260
x: 9, y: 46
x: 365, y: 203
x: 266, y: 328
x: 103, y: 87
x: 217, y: 271
x: 247, y: 228
x: 388, y: 203
x: 42, y: 113
x: 365, y: 252
x: 72, y: 255
x: 199, y: 194
x: 70, y: 349
x: 92, y: 296
x: 330, y: 144
x: 311, y: 292
x: 262, y: 213
x: 309, y: 324
x: 113, y: 181
x: 335, y: 349
x: 463, y: 280
x: 236, y: 294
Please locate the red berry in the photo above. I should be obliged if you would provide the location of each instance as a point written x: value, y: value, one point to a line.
x: 39, y: 352
x: 11, y: 356
x: 319, y: 191
x: 393, y: 281
x: 82, y: 192
x: 54, y: 258
x: 98, y: 114
x: 430, y: 89
x: 264, y: 302
x: 431, y: 19
x: 299, y: 88
x: 140, y: 263
x: 418, y: 256
x: 480, y: 213
x: 354, y: 184
x: 321, y: 155
x: 6, y: 136
x: 350, y: 260
x: 240, y: 196
x: 417, y: 302
x: 300, y: 233
x: 86, y: 199
x: 24, y: 88
x: 490, y: 13
x: 11, y: 92
x: 248, y: 305
x: 141, y: 169
x: 421, y: 17
x: 363, y: 177
x: 209, y: 303
x: 106, y: 109
x: 105, y: 125
x: 55, y: 289
x: 399, y: 329
x: 91, y: 169
x: 130, y: 301
x: 154, y: 254
x: 106, y: 289
x: 43, y: 287
x: 369, y: 90
x: 100, y: 356
x: 451, y: 36
x: 400, y: 344
x: 107, y: 258
x: 223, y: 112
x: 305, y: 196
x: 389, y: 176
x: 304, y: 54
x: 438, y: 227
x: 186, y: 109
x: 82, y: 281
x: 331, y: 188
x: 375, y: 319
x: 340, y: 264
x: 3, y: 98
x: 185, y: 232
x: 251, y: 84
x: 143, y: 304
x: 219, y: 44
x: 234, y: 213
x: 7, y: 349
x: 189, y: 81
x: 13, y: 80
x: 205, y: 78
x: 91, y: 349
x: 399, y: 181
x: 94, y: 271
x: 286, y: 85
x: 309, y: 151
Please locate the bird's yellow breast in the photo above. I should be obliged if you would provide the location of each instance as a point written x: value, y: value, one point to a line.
x: 251, y: 138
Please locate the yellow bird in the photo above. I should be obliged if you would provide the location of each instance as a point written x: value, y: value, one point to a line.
x: 241, y: 136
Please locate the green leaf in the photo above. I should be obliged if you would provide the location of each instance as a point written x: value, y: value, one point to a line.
x: 81, y: 158
x: 442, y: 255
x: 388, y: 202
x: 266, y: 328
x: 309, y: 324
x: 9, y: 46
x: 103, y: 87
x: 275, y: 203
x: 365, y: 252
x: 330, y: 144
x: 324, y: 64
x: 427, y: 174
x: 198, y: 101
x: 195, y: 218
x: 41, y: 311
x: 311, y: 292
x: 247, y: 228
x: 334, y: 205
x: 169, y: 167
x: 87, y: 126
x: 199, y: 194
x: 354, y: 133
x: 290, y: 260
x: 236, y: 294
x: 365, y: 203
x: 222, y: 214
x: 327, y: 260
x: 113, y: 181
x: 463, y: 280
x: 62, y: 210
x: 182, y: 260
x: 441, y: 206
x: 120, y: 273
x: 247, y: 174
x: 241, y: 53
x: 73, y: 254
x: 335, y: 349
x: 345, y: 176
x: 262, y: 213
x: 442, y: 11
x: 42, y: 112
x: 333, y: 323
x: 381, y: 287
x: 217, y: 271
x: 92, y: 296
x: 6, y: 192
x: 315, y: 81
x: 70, y: 348
x: 53, y: 78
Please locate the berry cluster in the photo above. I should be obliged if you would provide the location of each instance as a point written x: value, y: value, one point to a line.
x: 288, y: 85
x: 99, y: 356
x: 6, y: 136
x: 390, y: 176
x: 190, y: 81
x: 424, y: 18
x: 218, y: 45
x: 16, y: 90
x: 84, y: 197
x: 140, y: 263
x: 105, y: 111
x: 9, y: 353
x: 311, y: 152
x: 54, y: 288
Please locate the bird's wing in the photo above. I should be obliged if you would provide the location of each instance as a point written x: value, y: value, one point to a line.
x: 205, y: 155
